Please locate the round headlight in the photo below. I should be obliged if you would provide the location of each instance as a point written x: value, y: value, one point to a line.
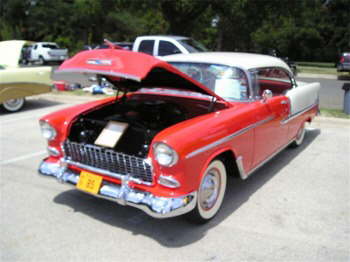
x: 165, y: 155
x: 47, y: 130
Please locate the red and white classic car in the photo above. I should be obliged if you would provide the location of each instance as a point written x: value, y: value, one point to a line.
x: 168, y: 141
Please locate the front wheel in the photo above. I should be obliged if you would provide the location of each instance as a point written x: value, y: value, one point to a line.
x: 210, y: 193
x: 13, y: 105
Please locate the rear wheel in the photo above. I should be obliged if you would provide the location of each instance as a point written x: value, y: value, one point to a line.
x: 300, y: 136
x: 13, y: 105
x: 210, y: 193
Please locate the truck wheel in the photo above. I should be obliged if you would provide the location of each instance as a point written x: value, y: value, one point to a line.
x: 300, y: 136
x: 42, y: 61
x: 210, y: 193
x: 13, y: 105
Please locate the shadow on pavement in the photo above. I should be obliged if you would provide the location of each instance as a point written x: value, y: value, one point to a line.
x: 177, y: 232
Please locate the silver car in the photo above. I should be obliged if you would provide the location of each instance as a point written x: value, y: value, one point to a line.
x: 344, y: 63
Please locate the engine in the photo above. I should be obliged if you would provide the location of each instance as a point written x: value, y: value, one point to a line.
x: 144, y: 118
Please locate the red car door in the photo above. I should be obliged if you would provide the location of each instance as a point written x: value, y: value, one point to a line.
x: 269, y: 134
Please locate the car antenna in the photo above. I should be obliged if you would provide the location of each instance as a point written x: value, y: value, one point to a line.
x: 111, y: 44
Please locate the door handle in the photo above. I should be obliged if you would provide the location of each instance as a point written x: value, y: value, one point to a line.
x: 284, y: 102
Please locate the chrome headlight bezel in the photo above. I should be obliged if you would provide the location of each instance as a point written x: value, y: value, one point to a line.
x: 48, y: 131
x: 165, y: 155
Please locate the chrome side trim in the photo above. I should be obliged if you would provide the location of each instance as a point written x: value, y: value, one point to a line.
x: 104, y: 172
x: 228, y: 138
x: 295, y: 115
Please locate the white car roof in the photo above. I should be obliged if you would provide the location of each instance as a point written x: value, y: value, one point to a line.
x: 244, y: 61
x: 163, y: 37
x: 47, y: 43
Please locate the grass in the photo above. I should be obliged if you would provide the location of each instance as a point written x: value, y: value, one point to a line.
x: 317, y: 70
x: 320, y: 68
x: 334, y: 113
x: 317, y: 64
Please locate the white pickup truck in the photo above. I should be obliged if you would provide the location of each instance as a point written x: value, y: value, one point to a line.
x: 161, y: 45
x: 47, y: 52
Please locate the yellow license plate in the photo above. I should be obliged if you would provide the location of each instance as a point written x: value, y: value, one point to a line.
x: 89, y: 182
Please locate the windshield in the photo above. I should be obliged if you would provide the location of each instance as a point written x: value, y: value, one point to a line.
x: 51, y: 46
x: 193, y: 46
x: 227, y: 82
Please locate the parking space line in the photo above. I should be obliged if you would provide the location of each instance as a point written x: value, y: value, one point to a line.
x: 16, y: 159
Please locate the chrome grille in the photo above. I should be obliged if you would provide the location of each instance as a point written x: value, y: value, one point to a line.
x: 107, y: 159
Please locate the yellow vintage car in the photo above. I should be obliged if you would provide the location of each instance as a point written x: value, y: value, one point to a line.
x: 18, y: 82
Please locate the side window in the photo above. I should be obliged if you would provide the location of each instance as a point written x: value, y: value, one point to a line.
x: 35, y: 46
x: 275, y: 79
x: 146, y: 46
x: 167, y: 48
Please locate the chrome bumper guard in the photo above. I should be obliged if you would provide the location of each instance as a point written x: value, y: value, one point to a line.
x: 158, y: 207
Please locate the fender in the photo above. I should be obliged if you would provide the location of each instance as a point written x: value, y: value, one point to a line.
x: 213, y: 156
x: 18, y: 90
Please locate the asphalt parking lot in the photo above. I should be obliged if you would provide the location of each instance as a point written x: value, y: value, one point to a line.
x: 295, y: 208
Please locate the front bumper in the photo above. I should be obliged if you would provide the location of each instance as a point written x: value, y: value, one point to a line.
x: 155, y: 206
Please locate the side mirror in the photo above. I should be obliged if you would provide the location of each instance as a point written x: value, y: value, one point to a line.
x: 267, y: 94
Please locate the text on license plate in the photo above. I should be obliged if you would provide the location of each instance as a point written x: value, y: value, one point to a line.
x: 89, y: 182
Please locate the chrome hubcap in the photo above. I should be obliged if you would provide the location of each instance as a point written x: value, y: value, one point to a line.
x: 13, y: 102
x: 209, y: 190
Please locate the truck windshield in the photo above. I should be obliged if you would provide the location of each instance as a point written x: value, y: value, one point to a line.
x: 193, y: 46
x: 51, y: 46
x: 226, y: 81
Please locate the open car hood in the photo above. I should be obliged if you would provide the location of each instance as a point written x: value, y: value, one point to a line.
x: 10, y: 52
x: 132, y: 70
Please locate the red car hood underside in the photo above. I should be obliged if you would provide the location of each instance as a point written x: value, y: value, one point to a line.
x: 134, y: 70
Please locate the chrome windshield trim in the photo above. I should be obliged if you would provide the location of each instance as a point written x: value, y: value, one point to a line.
x: 295, y: 115
x: 228, y: 138
x: 104, y: 172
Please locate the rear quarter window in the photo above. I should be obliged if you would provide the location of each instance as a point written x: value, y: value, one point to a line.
x: 146, y: 46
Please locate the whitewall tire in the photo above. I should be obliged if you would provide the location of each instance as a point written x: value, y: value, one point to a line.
x: 300, y: 136
x: 13, y: 105
x: 210, y: 193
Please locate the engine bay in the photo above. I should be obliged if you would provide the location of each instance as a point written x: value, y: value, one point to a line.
x: 145, y: 115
